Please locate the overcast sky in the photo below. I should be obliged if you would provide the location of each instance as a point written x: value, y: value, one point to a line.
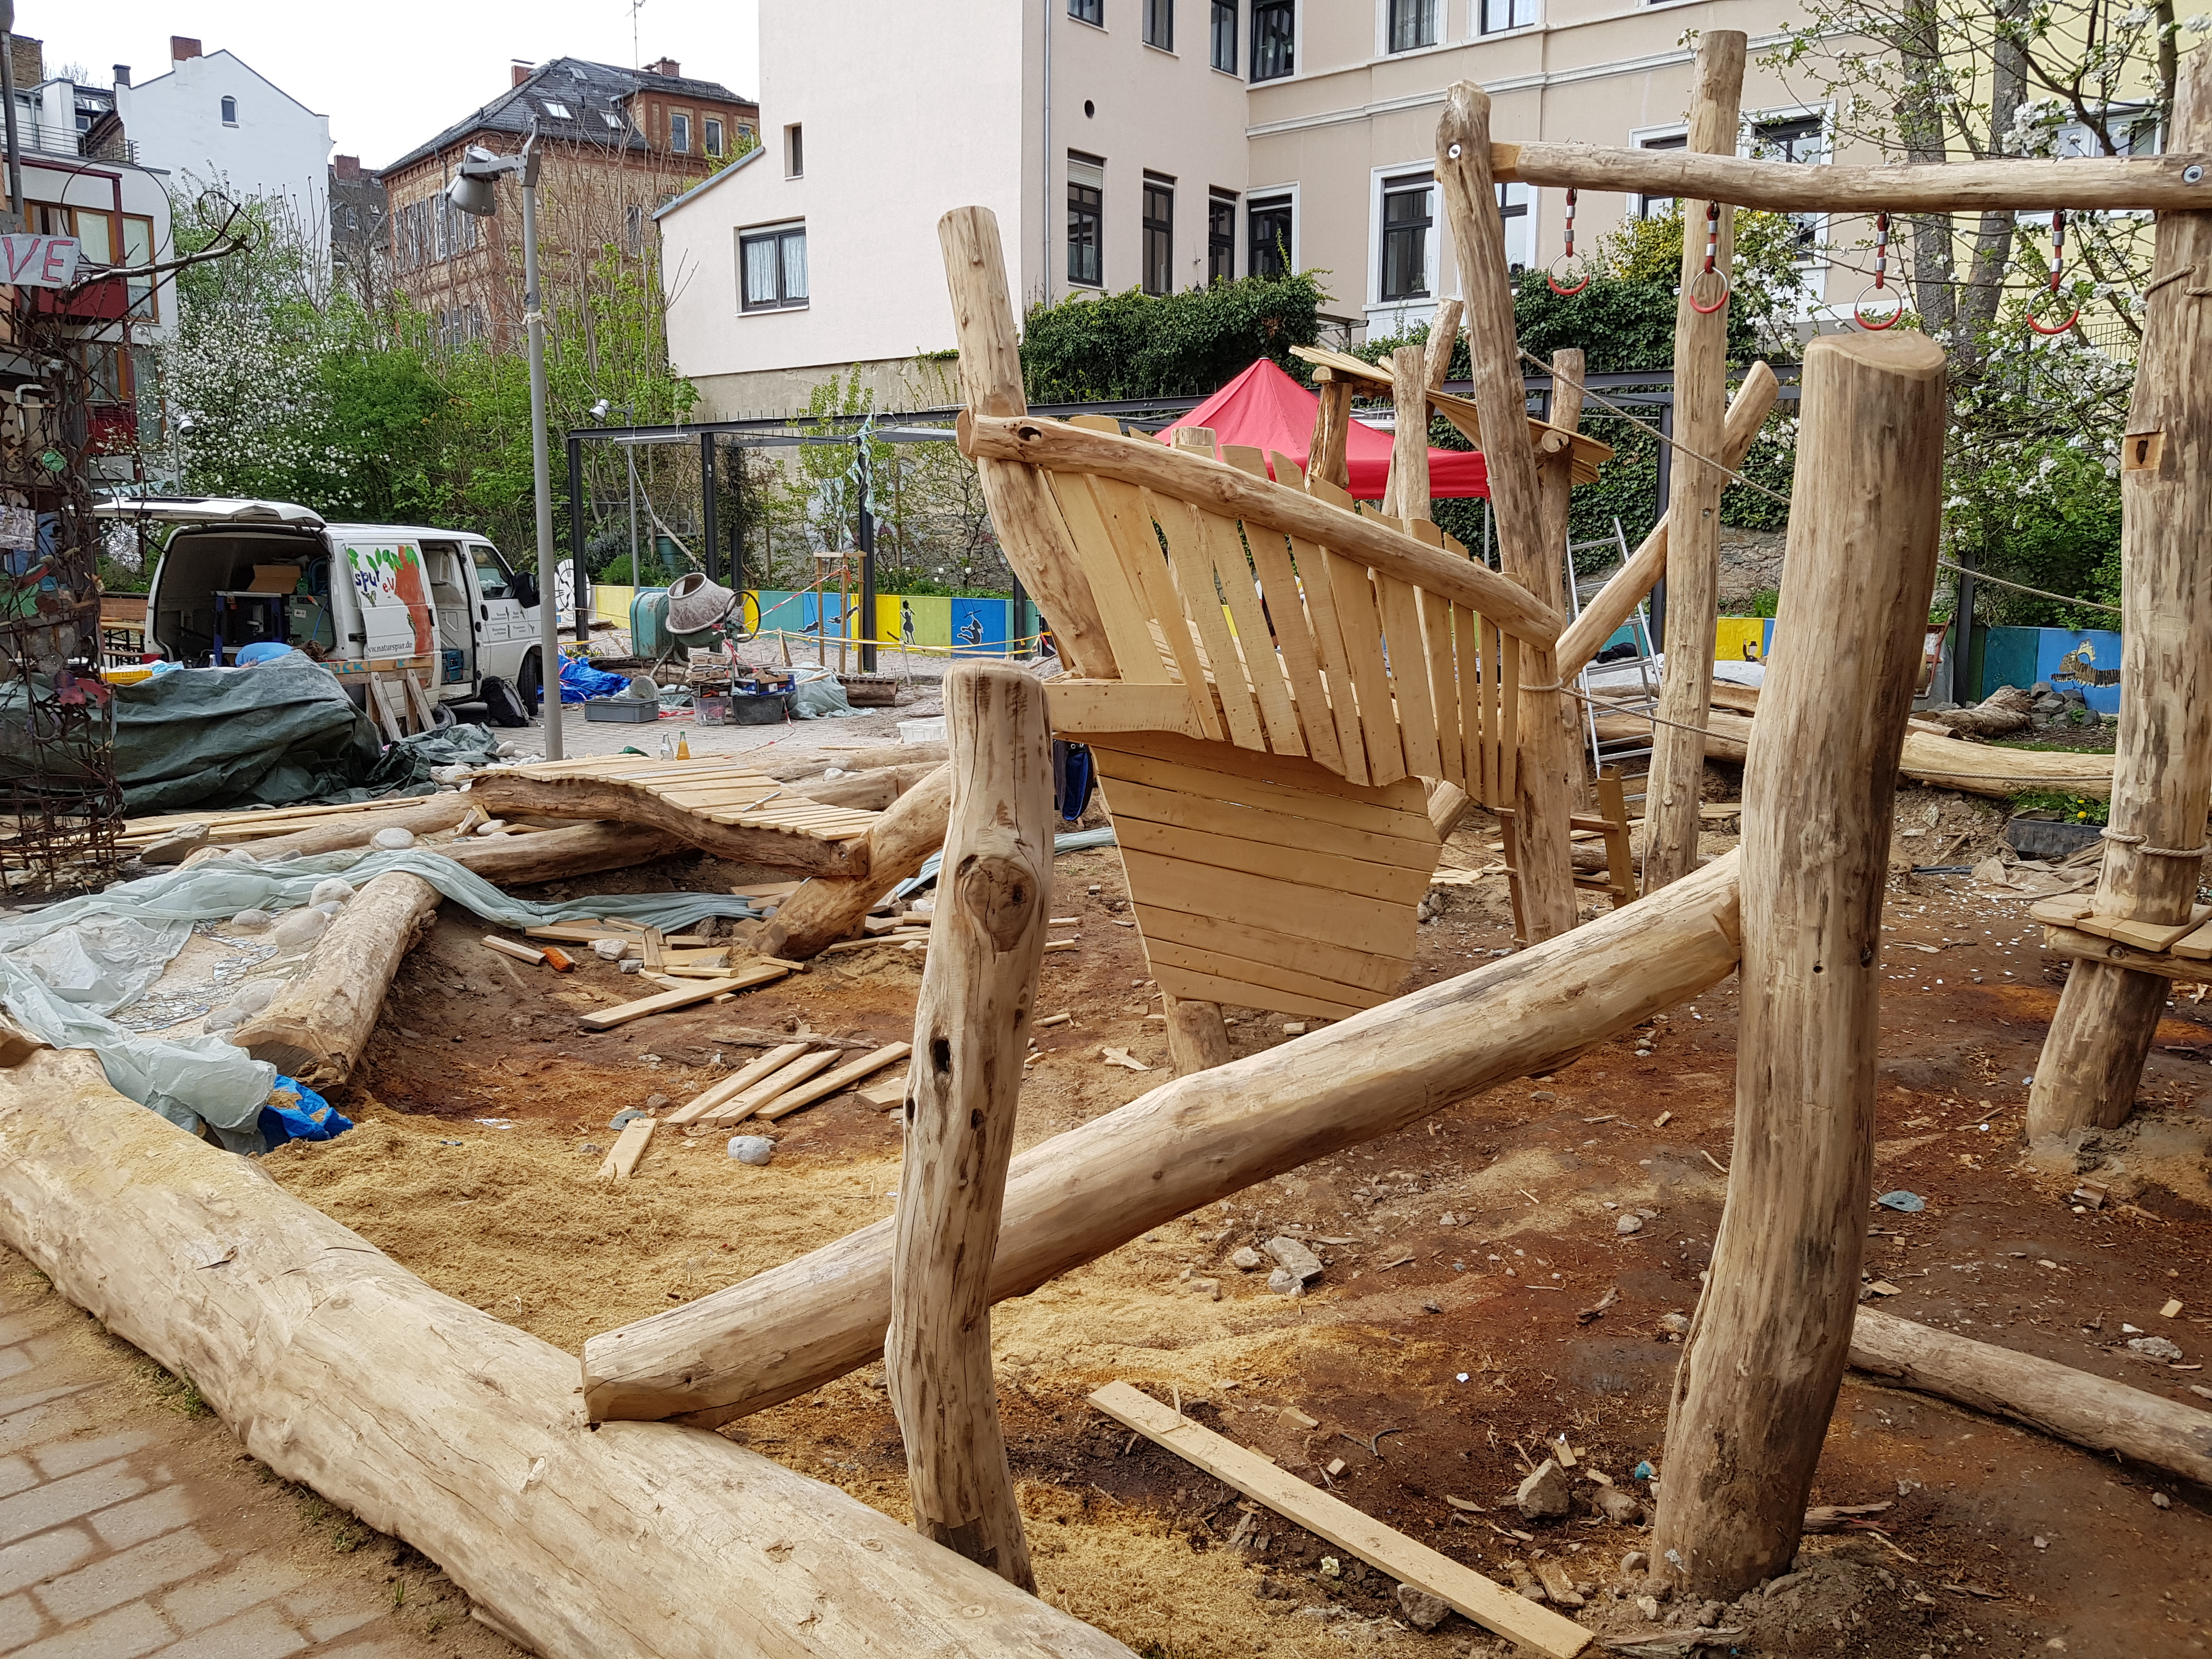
x: 391, y: 75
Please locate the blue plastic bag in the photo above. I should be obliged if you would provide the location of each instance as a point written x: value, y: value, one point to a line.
x: 580, y: 681
x: 313, y: 1119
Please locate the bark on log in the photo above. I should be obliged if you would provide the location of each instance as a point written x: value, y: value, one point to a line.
x: 823, y: 911
x: 2089, y: 1411
x: 2000, y: 715
x: 885, y: 754
x: 1616, y: 602
x: 503, y: 793
x: 1188, y: 1143
x: 1542, y: 798
x: 318, y: 1024
x: 434, y: 1422
x: 1332, y: 432
x: 971, y: 1028
x: 1693, y: 505
x: 1765, y: 1351
x: 1555, y: 480
x: 1023, y: 511
x: 1444, y: 339
x: 424, y: 817
x: 2093, y: 1059
x: 1405, y: 491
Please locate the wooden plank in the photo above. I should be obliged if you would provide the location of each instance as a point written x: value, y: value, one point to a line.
x: 2145, y: 935
x: 1130, y: 801
x: 507, y: 947
x: 1400, y: 607
x: 1263, y: 665
x: 1474, y: 704
x: 1298, y: 868
x: 1343, y: 705
x: 1213, y: 988
x: 1281, y: 781
x: 835, y: 1082
x: 1353, y: 585
x: 1507, y: 655
x: 1366, y: 924
x: 747, y: 1101
x: 1444, y: 686
x: 1382, y: 973
x: 1245, y: 457
x: 1293, y: 629
x: 1099, y: 708
x: 2088, y: 947
x: 1310, y: 989
x: 1286, y: 471
x: 736, y: 1083
x: 1192, y: 563
x: 1488, y: 1604
x: 739, y: 979
x: 1129, y: 515
x: 1127, y: 626
x: 620, y: 1161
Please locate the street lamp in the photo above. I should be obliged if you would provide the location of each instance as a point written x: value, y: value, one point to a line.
x: 474, y: 190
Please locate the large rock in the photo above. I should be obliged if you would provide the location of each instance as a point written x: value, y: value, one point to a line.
x: 1423, y: 1611
x: 1544, y: 1495
x: 1295, y: 1259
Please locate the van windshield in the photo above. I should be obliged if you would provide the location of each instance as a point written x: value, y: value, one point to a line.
x: 492, y: 580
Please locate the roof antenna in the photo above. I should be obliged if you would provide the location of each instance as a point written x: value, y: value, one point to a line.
x: 636, y: 57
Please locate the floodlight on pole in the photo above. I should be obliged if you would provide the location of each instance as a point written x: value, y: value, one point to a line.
x: 475, y: 191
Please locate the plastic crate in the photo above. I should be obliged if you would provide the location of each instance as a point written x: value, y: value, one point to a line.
x: 622, y: 711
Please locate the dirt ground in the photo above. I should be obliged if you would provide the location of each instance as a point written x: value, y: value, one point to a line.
x: 1448, y: 1343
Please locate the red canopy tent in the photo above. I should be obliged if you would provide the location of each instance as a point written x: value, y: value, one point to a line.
x: 1266, y: 410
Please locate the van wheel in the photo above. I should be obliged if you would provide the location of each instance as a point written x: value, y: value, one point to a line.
x: 501, y: 707
x: 442, y: 716
x: 529, y: 684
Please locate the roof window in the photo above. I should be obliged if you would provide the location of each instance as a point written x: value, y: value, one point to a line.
x: 558, y: 112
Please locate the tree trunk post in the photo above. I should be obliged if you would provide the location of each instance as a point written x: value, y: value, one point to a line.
x: 1198, y: 1038
x: 1542, y: 801
x: 1555, y: 477
x: 1766, y: 1351
x: 971, y: 1026
x: 1332, y: 430
x: 1443, y: 335
x: 2093, y: 1060
x: 1407, y: 493
x: 1693, y: 503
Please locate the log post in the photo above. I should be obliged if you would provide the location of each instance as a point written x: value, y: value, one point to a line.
x: 1186, y: 1144
x: 1614, y: 604
x: 970, y: 1029
x: 827, y: 909
x: 1407, y: 493
x: 1693, y: 504
x: 1767, y: 1350
x: 2093, y: 1059
x: 1325, y: 456
x: 1443, y: 335
x: 1022, y: 511
x: 1542, y: 796
x: 1198, y: 1038
x: 1555, y: 481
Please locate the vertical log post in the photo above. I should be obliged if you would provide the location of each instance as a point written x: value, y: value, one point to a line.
x: 1555, y: 479
x: 1443, y: 335
x: 1542, y: 802
x: 1407, y: 493
x: 970, y: 1029
x: 1198, y: 1037
x: 1766, y: 1351
x: 1325, y: 456
x: 1022, y: 511
x: 1693, y: 503
x: 2093, y: 1059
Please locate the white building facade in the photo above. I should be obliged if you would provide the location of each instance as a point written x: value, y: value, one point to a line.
x: 213, y: 120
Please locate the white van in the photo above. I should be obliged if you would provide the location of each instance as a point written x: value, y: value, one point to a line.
x: 238, y: 573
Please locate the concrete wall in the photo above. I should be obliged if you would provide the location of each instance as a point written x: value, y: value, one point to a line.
x: 277, y: 148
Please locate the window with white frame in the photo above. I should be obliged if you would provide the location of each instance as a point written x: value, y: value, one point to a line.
x: 1268, y: 234
x: 713, y: 136
x: 230, y: 112
x: 680, y: 134
x: 1516, y: 206
x: 1275, y: 38
x: 1409, y: 217
x: 1220, y: 235
x: 1498, y: 16
x: 772, y: 267
x: 1412, y: 24
x: 1658, y: 207
x: 1802, y: 138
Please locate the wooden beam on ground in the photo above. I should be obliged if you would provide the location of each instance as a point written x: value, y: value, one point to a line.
x: 515, y: 790
x: 742, y: 977
x: 1693, y: 504
x: 1189, y: 1142
x: 630, y: 1142
x: 1485, y: 1602
x: 436, y: 1423
x: 1023, y: 511
x: 422, y: 817
x: 837, y: 1082
x: 1541, y: 800
x: 2089, y: 1411
x: 317, y: 1026
x: 2162, y: 183
x: 1616, y: 602
x: 971, y: 1024
x: 2107, y: 1016
x: 824, y: 910
x: 736, y: 1083
x: 1765, y: 1351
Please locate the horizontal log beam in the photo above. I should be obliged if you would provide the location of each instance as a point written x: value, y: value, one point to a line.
x: 1188, y: 1143
x: 1188, y: 476
x: 504, y: 793
x: 2162, y: 182
x: 433, y: 1421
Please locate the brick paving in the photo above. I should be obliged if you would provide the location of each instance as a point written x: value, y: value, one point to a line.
x: 132, y: 1524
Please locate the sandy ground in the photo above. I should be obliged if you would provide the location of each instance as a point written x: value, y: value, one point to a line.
x: 1445, y: 1345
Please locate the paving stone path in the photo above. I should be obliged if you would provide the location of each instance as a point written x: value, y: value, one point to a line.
x: 131, y: 1522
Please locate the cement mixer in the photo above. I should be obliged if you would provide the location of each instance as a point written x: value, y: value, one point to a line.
x: 694, y: 613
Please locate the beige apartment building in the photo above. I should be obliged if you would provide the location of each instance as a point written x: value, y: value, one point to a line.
x: 1157, y: 145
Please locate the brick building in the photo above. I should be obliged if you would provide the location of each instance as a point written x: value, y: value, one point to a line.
x: 616, y: 143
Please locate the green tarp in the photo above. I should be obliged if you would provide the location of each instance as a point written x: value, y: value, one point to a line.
x: 277, y: 734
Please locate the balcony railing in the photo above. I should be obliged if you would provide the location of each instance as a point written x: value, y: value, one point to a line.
x: 45, y: 138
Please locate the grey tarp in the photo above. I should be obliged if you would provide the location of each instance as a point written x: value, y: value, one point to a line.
x: 283, y: 732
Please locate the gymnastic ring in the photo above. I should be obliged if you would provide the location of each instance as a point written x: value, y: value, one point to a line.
x: 1858, y: 310
x: 2041, y: 327
x: 1552, y: 282
x: 1708, y: 310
